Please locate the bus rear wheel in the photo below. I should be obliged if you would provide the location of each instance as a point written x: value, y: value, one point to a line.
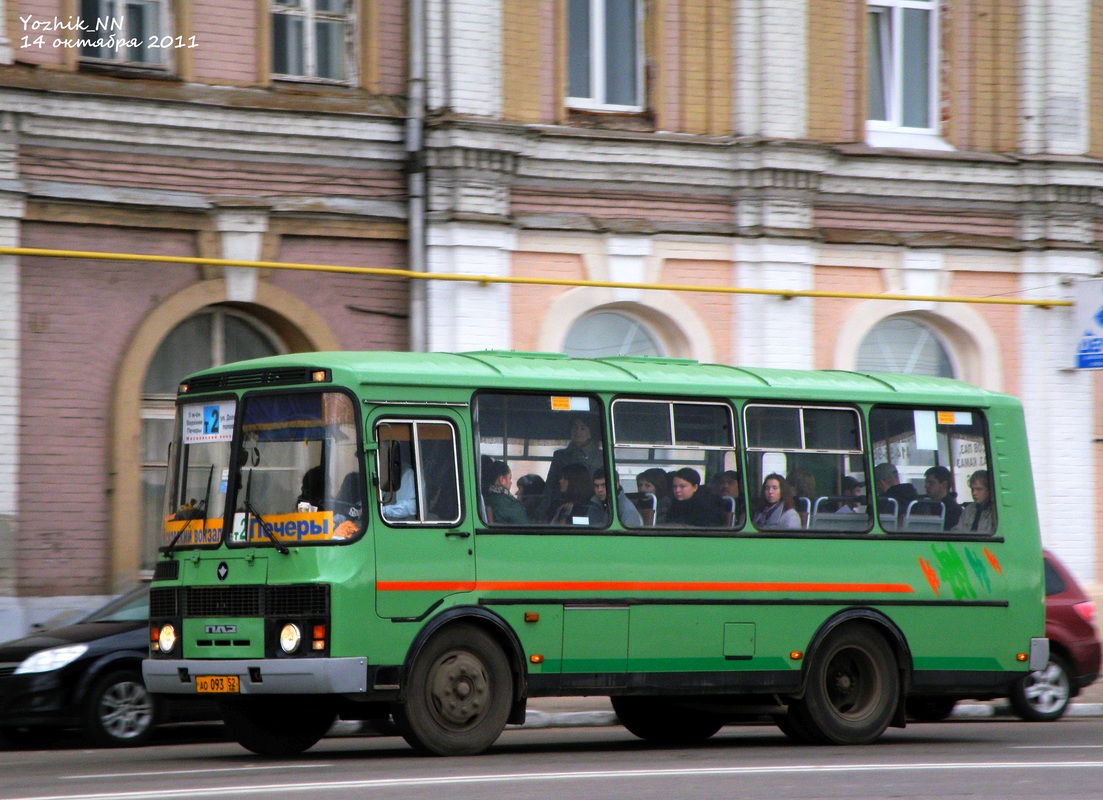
x: 665, y: 721
x: 278, y: 726
x: 853, y: 687
x: 458, y: 696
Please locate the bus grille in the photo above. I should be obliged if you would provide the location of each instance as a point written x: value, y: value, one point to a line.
x: 239, y: 601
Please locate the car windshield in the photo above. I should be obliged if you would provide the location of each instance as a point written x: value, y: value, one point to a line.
x: 130, y: 607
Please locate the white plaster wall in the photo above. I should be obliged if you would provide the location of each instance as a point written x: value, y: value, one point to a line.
x: 12, y: 610
x: 1054, y: 64
x: 1059, y: 416
x: 773, y: 331
x: 465, y: 56
x: 771, y: 47
x: 468, y: 315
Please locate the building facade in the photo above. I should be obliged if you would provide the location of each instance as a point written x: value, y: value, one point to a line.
x: 920, y: 148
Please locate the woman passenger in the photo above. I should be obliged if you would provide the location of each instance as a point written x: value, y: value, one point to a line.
x: 775, y: 504
x: 690, y: 505
x: 576, y: 487
x: 654, y: 481
x: 978, y: 516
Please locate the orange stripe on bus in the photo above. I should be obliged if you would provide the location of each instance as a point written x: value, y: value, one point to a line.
x: 641, y: 586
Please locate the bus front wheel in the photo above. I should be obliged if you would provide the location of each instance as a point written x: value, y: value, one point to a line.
x: 278, y: 726
x: 853, y: 687
x: 458, y: 696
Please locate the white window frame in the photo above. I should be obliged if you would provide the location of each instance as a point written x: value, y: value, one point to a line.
x: 892, y: 132
x: 307, y: 11
x: 596, y: 99
x: 111, y: 25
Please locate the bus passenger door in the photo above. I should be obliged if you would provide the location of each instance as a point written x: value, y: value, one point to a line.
x: 424, y: 551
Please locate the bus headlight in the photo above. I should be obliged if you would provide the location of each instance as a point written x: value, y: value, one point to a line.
x: 166, y: 638
x: 290, y: 638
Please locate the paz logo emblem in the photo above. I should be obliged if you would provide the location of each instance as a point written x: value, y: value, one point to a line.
x: 223, y: 570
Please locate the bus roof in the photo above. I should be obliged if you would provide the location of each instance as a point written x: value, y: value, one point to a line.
x: 552, y: 371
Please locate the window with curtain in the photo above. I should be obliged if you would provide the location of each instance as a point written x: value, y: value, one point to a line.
x: 608, y: 333
x: 901, y: 344
x: 903, y: 65
x: 125, y: 32
x: 312, y: 39
x: 605, y: 54
x: 208, y: 339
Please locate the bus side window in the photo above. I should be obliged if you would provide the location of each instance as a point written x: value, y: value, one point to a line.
x: 417, y: 472
x: 818, y: 453
x: 934, y: 464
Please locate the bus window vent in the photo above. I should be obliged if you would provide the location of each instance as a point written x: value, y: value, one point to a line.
x: 166, y: 571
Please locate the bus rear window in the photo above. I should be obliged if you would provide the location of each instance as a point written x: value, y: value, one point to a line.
x: 932, y: 470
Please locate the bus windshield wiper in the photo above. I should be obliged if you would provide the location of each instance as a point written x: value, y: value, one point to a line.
x: 264, y: 524
x: 203, y: 510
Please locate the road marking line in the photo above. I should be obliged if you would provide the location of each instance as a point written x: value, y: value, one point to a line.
x: 390, y: 783
x: 161, y: 772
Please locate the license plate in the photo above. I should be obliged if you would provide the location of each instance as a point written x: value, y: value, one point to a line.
x: 217, y: 684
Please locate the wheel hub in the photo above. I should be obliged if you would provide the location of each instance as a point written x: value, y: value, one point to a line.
x: 460, y: 689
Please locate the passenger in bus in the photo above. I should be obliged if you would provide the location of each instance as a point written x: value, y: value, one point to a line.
x: 886, y: 480
x: 576, y: 487
x: 690, y: 505
x: 582, y: 448
x: 804, y: 491
x: 978, y: 516
x: 854, y: 490
x: 626, y: 510
x: 655, y: 482
x: 530, y: 491
x: 938, y: 482
x: 502, y: 507
x: 403, y: 503
x: 313, y: 487
x: 774, y: 506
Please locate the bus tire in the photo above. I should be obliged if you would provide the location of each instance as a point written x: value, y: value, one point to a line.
x: 459, y: 694
x: 852, y: 689
x: 792, y: 725
x: 664, y: 721
x: 278, y: 726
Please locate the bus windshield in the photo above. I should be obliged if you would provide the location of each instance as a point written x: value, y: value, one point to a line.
x: 299, y: 479
x: 198, y: 474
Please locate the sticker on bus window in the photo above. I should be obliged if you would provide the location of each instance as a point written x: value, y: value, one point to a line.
x: 559, y: 403
x: 209, y: 422
x: 955, y: 417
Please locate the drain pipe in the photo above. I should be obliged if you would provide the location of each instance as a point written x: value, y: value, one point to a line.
x: 415, y: 175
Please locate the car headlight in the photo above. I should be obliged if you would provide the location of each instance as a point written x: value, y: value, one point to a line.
x: 290, y: 637
x: 54, y: 658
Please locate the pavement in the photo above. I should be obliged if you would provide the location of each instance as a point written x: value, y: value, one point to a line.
x: 574, y: 712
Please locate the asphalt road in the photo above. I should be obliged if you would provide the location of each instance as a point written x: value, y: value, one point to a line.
x: 989, y: 758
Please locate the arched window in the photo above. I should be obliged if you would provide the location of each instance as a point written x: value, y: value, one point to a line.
x: 610, y: 333
x: 213, y: 337
x: 904, y: 345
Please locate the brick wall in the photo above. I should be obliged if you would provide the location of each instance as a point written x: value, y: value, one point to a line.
x: 76, y: 319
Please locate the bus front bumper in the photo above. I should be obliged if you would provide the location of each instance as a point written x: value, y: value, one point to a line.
x: 260, y: 675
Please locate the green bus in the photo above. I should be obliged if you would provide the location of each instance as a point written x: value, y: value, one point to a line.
x: 701, y: 543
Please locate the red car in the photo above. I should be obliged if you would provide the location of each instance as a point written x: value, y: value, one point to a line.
x: 1074, y: 650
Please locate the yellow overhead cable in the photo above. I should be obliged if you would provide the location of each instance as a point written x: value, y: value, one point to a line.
x: 488, y: 279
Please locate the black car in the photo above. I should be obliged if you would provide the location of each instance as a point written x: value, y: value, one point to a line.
x: 88, y: 676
